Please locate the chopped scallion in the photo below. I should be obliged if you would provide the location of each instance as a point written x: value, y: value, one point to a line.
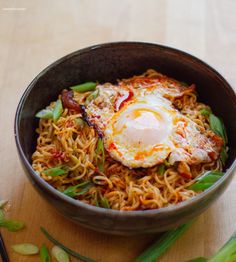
x: 206, y: 180
x: 55, y: 171
x: 12, y: 225
x: 100, y: 152
x: 91, y: 97
x: 60, y: 254
x: 68, y: 250
x: 26, y: 249
x: 45, y: 114
x: 44, y: 254
x: 72, y: 191
x: 57, y: 111
x: 162, y: 244
x: 85, y: 87
x: 161, y: 169
x: 205, y: 112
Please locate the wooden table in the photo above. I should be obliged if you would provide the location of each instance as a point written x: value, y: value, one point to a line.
x: 35, y: 33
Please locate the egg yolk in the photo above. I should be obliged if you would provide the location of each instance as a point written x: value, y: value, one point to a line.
x: 142, y: 126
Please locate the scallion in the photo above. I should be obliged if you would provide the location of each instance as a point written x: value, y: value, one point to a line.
x: 44, y: 254
x: 206, y: 180
x: 72, y: 191
x: 57, y: 111
x: 80, y: 122
x: 60, y: 254
x: 198, y: 259
x: 205, y: 112
x: 104, y: 202
x: 45, y: 114
x: 26, y: 249
x: 162, y: 244
x: 161, y: 169
x: 100, y: 155
x: 55, y: 171
x: 12, y: 225
x: 68, y: 250
x: 91, y: 97
x: 85, y: 87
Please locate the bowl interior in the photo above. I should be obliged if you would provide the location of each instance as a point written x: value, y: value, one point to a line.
x: 109, y: 62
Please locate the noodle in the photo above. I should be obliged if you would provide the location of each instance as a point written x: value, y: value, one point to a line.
x: 67, y: 143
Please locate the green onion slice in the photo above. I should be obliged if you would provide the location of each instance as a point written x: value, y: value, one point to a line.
x: 55, y: 171
x: 104, y: 202
x: 159, y: 247
x: 161, y: 169
x: 91, y: 97
x: 57, y: 111
x: 80, y: 122
x: 72, y: 191
x: 205, y: 112
x: 68, y: 250
x: 223, y: 155
x: 12, y: 225
x: 26, y: 249
x: 217, y: 126
x: 227, y: 253
x: 198, y: 259
x: 85, y: 87
x: 44, y: 254
x: 45, y: 114
x: 206, y: 180
x: 60, y: 254
x: 100, y: 152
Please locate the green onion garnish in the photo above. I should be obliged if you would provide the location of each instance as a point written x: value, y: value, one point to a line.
x: 162, y: 244
x: 45, y: 114
x: 57, y: 111
x: 60, y: 254
x: 206, y: 180
x: 205, y: 112
x: 100, y: 152
x: 223, y: 155
x: 85, y: 87
x: 55, y: 171
x: 72, y: 191
x: 161, y: 169
x: 12, y: 225
x: 226, y: 254
x: 69, y: 251
x: 91, y: 97
x: 26, y: 249
x: 198, y: 259
x: 44, y: 254
x: 104, y: 202
x: 80, y: 122
x: 217, y: 127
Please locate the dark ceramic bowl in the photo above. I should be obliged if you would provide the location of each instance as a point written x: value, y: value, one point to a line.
x: 108, y: 62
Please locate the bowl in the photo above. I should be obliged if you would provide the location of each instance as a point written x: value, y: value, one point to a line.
x: 107, y: 63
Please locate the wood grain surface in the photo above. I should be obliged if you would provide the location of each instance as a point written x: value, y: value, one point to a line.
x: 35, y: 33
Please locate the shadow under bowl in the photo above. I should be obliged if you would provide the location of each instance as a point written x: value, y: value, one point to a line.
x: 107, y: 63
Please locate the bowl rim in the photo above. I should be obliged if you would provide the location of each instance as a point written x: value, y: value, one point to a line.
x: 171, y: 209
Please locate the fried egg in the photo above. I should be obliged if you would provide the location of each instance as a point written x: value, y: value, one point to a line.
x: 141, y: 128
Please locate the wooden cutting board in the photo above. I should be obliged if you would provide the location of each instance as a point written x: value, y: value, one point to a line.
x: 35, y: 33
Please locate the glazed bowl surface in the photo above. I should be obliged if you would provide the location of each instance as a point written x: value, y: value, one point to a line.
x: 107, y: 63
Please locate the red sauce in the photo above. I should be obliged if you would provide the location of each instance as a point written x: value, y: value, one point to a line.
x: 126, y: 99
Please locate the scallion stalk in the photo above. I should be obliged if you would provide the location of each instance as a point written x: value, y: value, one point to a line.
x: 68, y: 250
x: 85, y: 87
x: 162, y: 244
